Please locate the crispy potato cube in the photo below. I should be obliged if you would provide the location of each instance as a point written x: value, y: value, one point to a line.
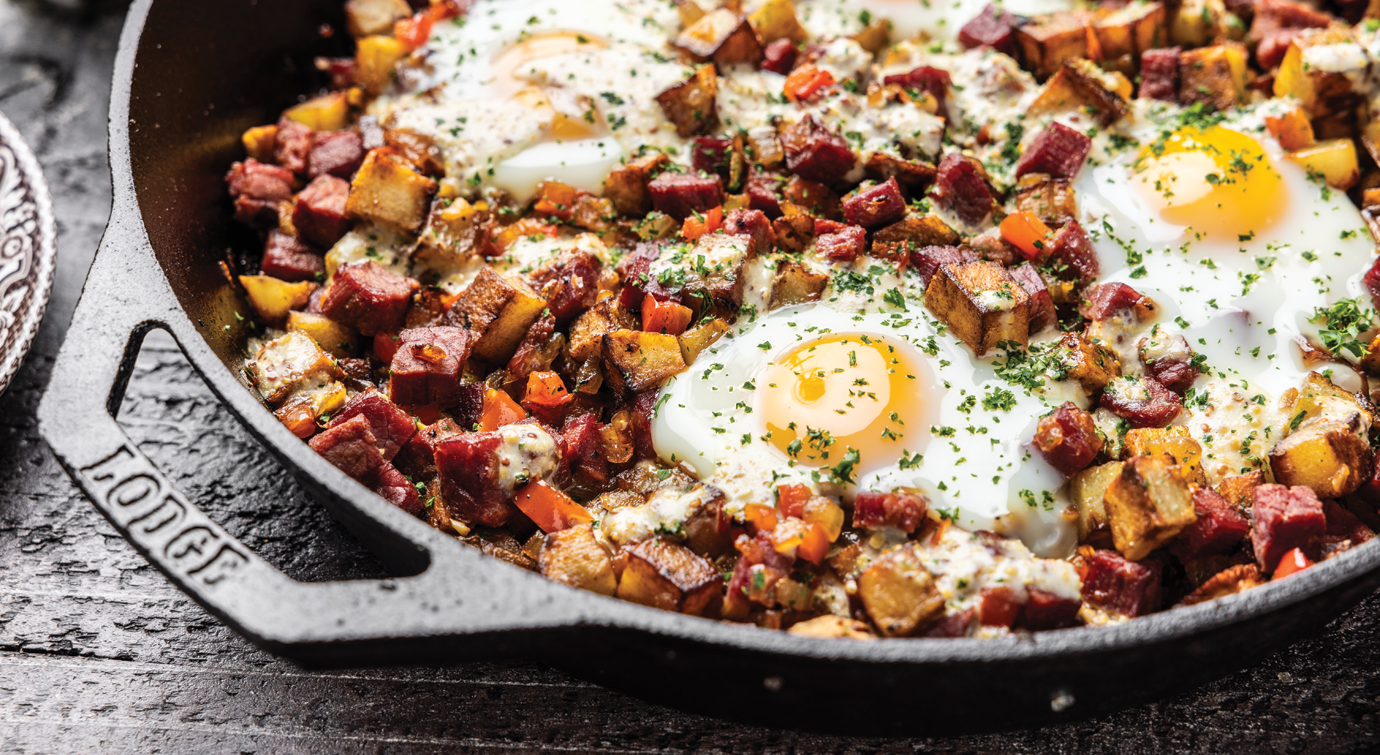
x: 1213, y: 75
x: 833, y: 627
x: 1086, y: 490
x: 498, y: 311
x: 273, y: 298
x: 1325, y: 455
x: 1197, y: 22
x: 1292, y: 129
x: 875, y: 37
x: 1053, y: 40
x: 1324, y: 89
x: 1334, y: 159
x: 1092, y: 365
x: 721, y: 36
x: 635, y: 360
x: 626, y: 185
x: 922, y: 231
x: 1080, y: 84
x: 330, y: 335
x: 388, y: 192
x: 981, y: 303
x: 795, y: 284
x: 775, y: 19
x: 899, y: 593
x: 1175, y: 441
x: 329, y: 112
x: 690, y: 105
x: 695, y: 340
x: 375, y: 57
x: 1147, y: 504
x: 286, y: 364
x: 455, y: 231
x: 689, y: 11
x: 587, y: 334
x: 669, y: 576
x: 1319, y: 397
x: 1049, y: 199
x: 574, y: 557
x: 1131, y: 30
x: 1239, y: 489
x: 367, y: 17
x: 258, y: 142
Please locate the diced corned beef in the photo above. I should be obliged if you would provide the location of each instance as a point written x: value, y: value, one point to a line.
x: 825, y: 225
x: 959, y: 186
x: 815, y: 153
x: 470, y: 407
x: 680, y: 195
x: 1045, y: 610
x: 392, y: 427
x: 1068, y: 439
x: 1219, y: 529
x: 1159, y: 74
x: 469, y: 469
x: 758, y: 570
x: 927, y: 259
x: 999, y: 607
x: 570, y: 287
x: 287, y: 258
x: 764, y: 192
x: 338, y: 153
x: 710, y: 154
x: 933, y: 81
x: 418, y: 457
x: 395, y: 488
x: 1371, y: 281
x: 368, y: 298
x: 632, y: 269
x: 1111, y: 299
x: 952, y: 625
x: 1270, y: 52
x: 1284, y: 519
x: 1169, y: 359
x: 1042, y: 314
x: 530, y: 355
x: 900, y: 509
x: 340, y: 70
x: 351, y: 447
x: 1122, y: 587
x: 994, y: 28
x: 1058, y: 151
x: 876, y: 206
x: 844, y: 244
x: 319, y: 214
x: 1273, y: 15
x: 257, y: 213
x: 427, y: 366
x: 779, y: 56
x: 582, y: 450
x: 257, y: 180
x: 1141, y: 401
x: 1344, y: 530
x: 754, y: 225
x: 355, y: 368
x: 1073, y: 254
x: 643, y: 411
x: 292, y: 147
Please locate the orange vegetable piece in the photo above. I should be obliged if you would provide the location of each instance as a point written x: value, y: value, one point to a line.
x: 298, y: 418
x: 814, y: 545
x: 790, y: 499
x: 499, y: 409
x: 805, y: 81
x: 824, y: 513
x: 509, y: 234
x: 415, y: 31
x: 1027, y: 233
x: 1291, y: 129
x: 998, y: 607
x: 696, y: 226
x: 546, y: 394
x: 1293, y: 561
x: 762, y: 518
x: 555, y: 199
x: 551, y: 509
x: 665, y: 317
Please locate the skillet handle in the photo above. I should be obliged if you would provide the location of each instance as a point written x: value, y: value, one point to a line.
x: 461, y: 594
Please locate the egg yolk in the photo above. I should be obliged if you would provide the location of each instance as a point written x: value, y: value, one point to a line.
x: 1217, y: 182
x: 570, y: 121
x: 829, y: 397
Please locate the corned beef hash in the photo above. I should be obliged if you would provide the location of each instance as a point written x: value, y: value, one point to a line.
x: 852, y: 318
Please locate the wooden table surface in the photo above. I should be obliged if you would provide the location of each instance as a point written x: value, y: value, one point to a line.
x: 99, y: 654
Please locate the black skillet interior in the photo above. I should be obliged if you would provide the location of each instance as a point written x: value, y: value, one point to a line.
x: 194, y: 75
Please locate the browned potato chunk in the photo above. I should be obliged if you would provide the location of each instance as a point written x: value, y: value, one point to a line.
x: 669, y: 576
x: 1194, y: 23
x: 635, y: 360
x: 329, y: 112
x: 1093, y: 366
x: 1334, y: 159
x: 388, y: 192
x: 328, y: 334
x: 1175, y: 441
x: 1047, y: 198
x: 1053, y: 40
x: 499, y: 311
x: 918, y: 231
x: 285, y: 364
x: 1327, y: 456
x: 455, y: 231
x: 626, y: 185
x: 690, y: 105
x: 259, y: 141
x: 981, y: 303
x: 1132, y: 30
x: 587, y: 334
x: 1322, y: 92
x: 1080, y: 84
x: 1147, y: 504
x: 721, y: 36
x: 1213, y: 75
x: 1239, y: 489
x: 875, y: 37
x: 375, y: 57
x: 1086, y: 490
x: 574, y: 557
x: 834, y: 628
x: 795, y: 284
x: 273, y: 298
x: 695, y: 340
x: 366, y: 17
x: 899, y: 593
x: 775, y: 19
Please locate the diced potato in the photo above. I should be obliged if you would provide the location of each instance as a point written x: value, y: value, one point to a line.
x: 899, y: 593
x: 1050, y: 199
x: 695, y: 340
x: 273, y: 298
x: 1370, y: 139
x: 1132, y: 30
x: 1049, y: 42
x: 455, y: 231
x: 574, y: 557
x: 1092, y: 365
x: 259, y: 141
x: 367, y: 17
x: 289, y: 363
x: 690, y: 105
x: 830, y: 626
x: 669, y: 576
x: 1175, y: 441
x: 388, y: 192
x: 1086, y: 490
x: 499, y: 311
x: 1213, y: 75
x: 626, y: 185
x: 796, y: 284
x: 587, y: 333
x: 721, y: 36
x: 1239, y: 489
x: 375, y: 57
x: 330, y: 335
x: 981, y: 303
x: 775, y: 19
x: 1327, y: 456
x: 1323, y: 90
x: 1335, y: 160
x: 1147, y: 504
x: 635, y: 360
x: 690, y: 11
x: 1073, y: 87
x: 1197, y: 22
x: 1291, y: 129
x: 329, y: 112
x: 875, y: 37
x: 919, y: 231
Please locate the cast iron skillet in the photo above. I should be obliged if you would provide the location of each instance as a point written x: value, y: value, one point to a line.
x: 191, y: 75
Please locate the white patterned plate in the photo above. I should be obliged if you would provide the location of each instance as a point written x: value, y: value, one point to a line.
x: 28, y: 249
